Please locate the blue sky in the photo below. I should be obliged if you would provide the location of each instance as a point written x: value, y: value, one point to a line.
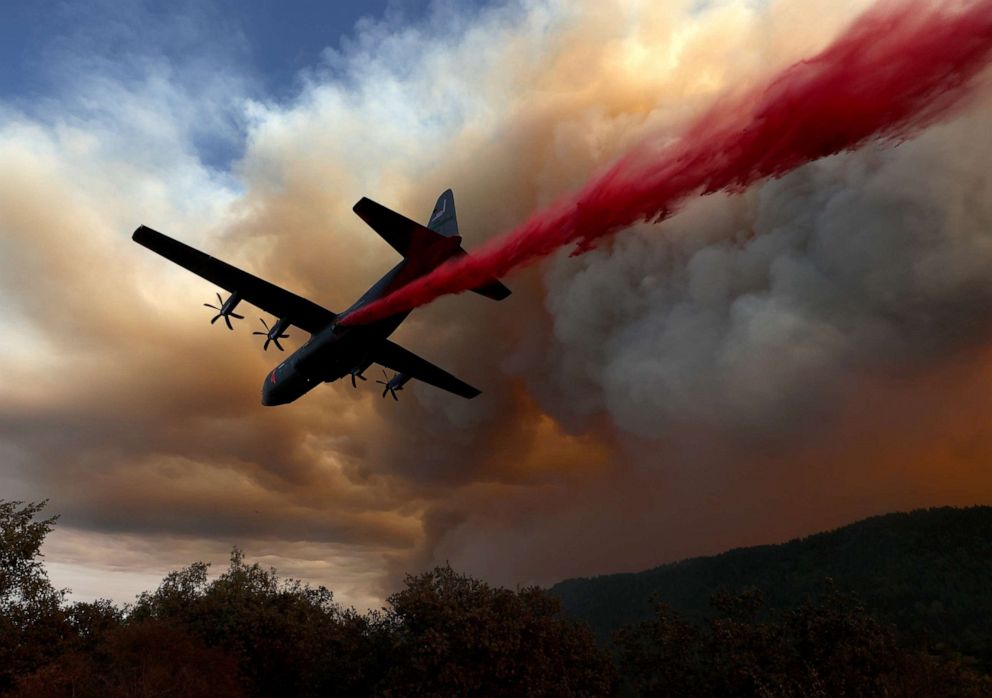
x: 275, y: 39
x: 267, y: 45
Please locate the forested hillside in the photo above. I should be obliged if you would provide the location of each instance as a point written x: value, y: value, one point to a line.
x: 248, y: 632
x: 929, y: 572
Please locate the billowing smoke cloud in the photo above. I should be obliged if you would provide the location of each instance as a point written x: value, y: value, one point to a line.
x: 754, y: 310
x: 758, y: 366
x: 896, y: 70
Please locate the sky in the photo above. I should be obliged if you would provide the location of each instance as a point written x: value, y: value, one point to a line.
x: 759, y: 366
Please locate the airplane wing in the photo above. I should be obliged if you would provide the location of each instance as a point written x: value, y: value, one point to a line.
x: 395, y: 357
x: 279, y: 302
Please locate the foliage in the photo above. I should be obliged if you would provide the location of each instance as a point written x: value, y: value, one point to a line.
x: 142, y: 658
x: 249, y: 633
x: 927, y: 572
x: 32, y: 618
x: 287, y: 637
x: 450, y: 634
x: 826, y: 647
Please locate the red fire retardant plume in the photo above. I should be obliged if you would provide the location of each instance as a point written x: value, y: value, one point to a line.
x: 896, y: 70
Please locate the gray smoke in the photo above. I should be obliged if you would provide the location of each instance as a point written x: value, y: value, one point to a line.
x: 756, y: 311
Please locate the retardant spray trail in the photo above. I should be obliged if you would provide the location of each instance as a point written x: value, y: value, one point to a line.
x: 896, y: 70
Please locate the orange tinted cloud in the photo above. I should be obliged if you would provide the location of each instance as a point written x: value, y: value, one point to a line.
x: 725, y: 378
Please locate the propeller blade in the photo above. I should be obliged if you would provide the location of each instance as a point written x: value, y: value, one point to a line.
x: 214, y: 319
x: 235, y: 315
x: 207, y: 305
x: 219, y: 299
x: 269, y: 337
x: 228, y: 321
x: 388, y: 387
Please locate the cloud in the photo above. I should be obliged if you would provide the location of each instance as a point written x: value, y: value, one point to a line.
x: 756, y: 367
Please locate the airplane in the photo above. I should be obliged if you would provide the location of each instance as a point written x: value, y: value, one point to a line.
x: 334, y: 350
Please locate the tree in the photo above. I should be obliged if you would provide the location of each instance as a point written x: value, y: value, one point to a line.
x: 450, y: 634
x: 829, y: 646
x: 32, y: 620
x: 144, y: 658
x: 663, y: 656
x: 288, y: 638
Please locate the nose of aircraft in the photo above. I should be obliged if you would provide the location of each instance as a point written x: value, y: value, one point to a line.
x: 266, y: 397
x: 270, y: 391
x: 284, y: 384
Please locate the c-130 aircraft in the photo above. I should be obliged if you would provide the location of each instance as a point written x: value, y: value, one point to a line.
x: 335, y: 350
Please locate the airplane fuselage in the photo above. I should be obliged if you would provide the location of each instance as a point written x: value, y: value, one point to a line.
x: 340, y: 350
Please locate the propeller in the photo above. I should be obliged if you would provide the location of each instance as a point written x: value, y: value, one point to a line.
x: 390, y: 386
x: 273, y: 334
x: 358, y: 374
x: 226, y: 309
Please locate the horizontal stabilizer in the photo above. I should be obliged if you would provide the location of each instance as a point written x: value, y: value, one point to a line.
x: 409, y: 238
x: 494, y: 289
x: 406, y: 236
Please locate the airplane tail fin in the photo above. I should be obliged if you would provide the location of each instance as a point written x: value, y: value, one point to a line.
x: 438, y: 241
x: 443, y: 219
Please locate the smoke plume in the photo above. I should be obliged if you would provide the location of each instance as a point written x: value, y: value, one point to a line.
x: 897, y: 69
